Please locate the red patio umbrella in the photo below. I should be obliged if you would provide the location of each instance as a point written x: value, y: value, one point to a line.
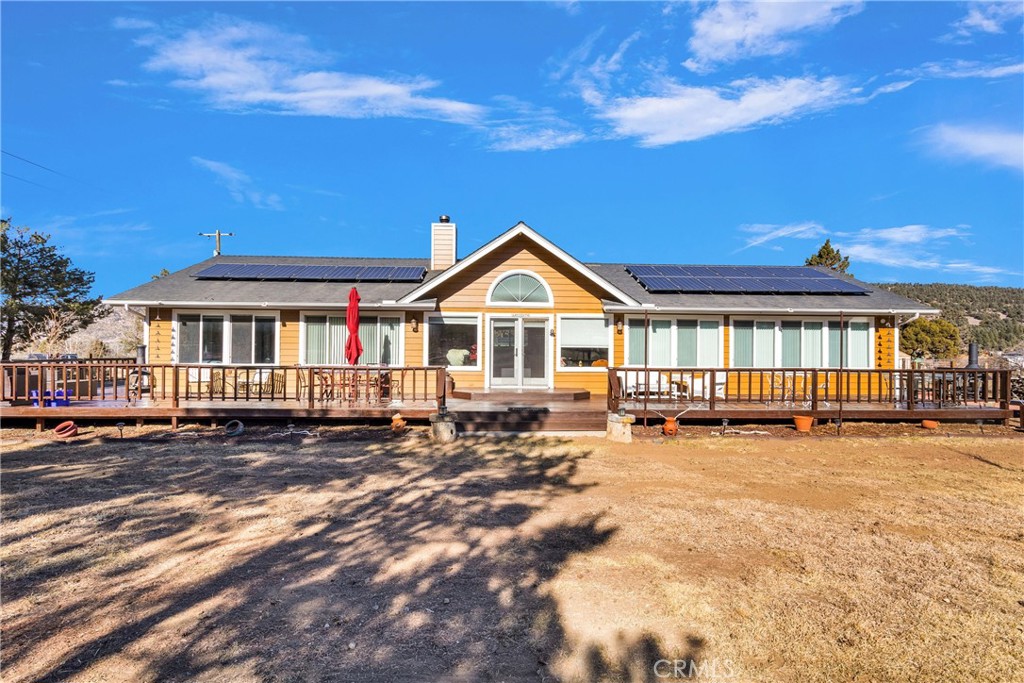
x: 353, y: 347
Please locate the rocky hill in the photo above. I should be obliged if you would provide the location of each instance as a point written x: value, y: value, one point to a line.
x: 991, y: 316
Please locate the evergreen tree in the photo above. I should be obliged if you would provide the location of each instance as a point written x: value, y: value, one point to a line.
x: 829, y: 257
x: 42, y: 290
x: 935, y: 338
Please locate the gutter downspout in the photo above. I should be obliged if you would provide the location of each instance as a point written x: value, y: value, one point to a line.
x: 647, y: 374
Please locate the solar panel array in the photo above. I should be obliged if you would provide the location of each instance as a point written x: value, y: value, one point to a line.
x: 740, y: 280
x: 307, y: 273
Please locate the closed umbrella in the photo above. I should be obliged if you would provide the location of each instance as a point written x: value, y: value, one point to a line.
x: 353, y: 347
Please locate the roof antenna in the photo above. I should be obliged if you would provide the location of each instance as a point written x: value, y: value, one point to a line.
x: 218, y: 234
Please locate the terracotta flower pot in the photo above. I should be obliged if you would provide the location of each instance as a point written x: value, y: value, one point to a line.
x: 930, y: 424
x: 66, y: 430
x: 803, y: 423
x: 671, y: 427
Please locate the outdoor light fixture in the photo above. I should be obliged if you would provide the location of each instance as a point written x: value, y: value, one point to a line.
x: 618, y: 326
x: 415, y: 325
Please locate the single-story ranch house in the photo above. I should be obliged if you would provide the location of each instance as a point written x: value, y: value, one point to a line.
x: 517, y: 313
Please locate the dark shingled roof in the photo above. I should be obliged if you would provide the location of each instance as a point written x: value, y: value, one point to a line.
x: 182, y: 286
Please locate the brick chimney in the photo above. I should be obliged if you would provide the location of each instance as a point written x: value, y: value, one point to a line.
x: 442, y: 244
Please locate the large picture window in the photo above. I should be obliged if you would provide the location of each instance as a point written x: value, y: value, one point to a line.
x: 584, y: 342
x: 801, y: 344
x: 676, y: 343
x: 238, y: 339
x: 453, y: 341
x: 326, y: 337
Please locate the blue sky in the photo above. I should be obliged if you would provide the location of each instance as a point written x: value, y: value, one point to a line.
x: 632, y: 132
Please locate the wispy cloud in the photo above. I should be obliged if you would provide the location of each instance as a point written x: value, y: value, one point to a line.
x: 133, y: 24
x: 960, y: 68
x: 681, y: 113
x: 985, y: 17
x: 915, y: 246
x: 730, y: 31
x: 763, y: 233
x: 239, y: 185
x: 243, y: 66
x: 1000, y: 147
x: 530, y: 128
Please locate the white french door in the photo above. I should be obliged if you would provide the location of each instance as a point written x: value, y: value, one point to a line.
x: 518, y: 352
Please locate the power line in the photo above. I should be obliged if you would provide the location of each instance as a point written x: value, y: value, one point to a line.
x: 29, y: 161
x: 24, y: 180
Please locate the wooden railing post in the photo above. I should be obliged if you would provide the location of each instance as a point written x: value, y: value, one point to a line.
x: 712, y: 390
x: 911, y: 389
x: 174, y: 387
x: 613, y: 391
x: 814, y: 389
x: 441, y: 388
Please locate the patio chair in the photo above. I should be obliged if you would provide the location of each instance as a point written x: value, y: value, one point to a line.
x: 273, y: 384
x: 703, y: 390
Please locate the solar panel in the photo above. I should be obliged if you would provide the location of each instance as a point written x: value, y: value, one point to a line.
x: 311, y: 273
x: 740, y: 279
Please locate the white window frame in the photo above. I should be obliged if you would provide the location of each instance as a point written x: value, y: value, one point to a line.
x: 824, y: 360
x: 610, y: 319
x: 226, y: 315
x: 870, y: 320
x: 674, y: 339
x: 549, y: 362
x: 477, y: 317
x: 550, y: 303
x: 362, y: 314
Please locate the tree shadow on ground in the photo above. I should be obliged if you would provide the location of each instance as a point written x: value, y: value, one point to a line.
x: 309, y: 560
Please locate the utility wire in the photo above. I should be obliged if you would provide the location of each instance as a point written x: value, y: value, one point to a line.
x: 29, y: 161
x: 24, y: 180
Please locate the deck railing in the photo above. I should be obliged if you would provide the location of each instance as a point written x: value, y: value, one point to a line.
x: 62, y: 383
x: 807, y: 388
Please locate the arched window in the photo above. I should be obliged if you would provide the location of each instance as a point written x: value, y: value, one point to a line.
x: 520, y: 288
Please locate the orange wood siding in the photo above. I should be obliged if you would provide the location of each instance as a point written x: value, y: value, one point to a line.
x: 726, y: 329
x: 413, y: 340
x: 885, y: 342
x: 160, y: 335
x: 289, y: 340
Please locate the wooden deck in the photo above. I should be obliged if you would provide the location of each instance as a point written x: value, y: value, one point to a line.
x: 180, y: 393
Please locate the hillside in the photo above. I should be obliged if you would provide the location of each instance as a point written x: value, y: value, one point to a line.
x: 991, y: 316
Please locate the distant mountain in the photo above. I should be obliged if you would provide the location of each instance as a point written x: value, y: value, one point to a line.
x: 991, y: 316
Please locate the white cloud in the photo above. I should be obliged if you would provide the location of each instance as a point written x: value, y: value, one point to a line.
x: 911, y: 246
x: 985, y: 17
x: 244, y: 66
x: 529, y: 128
x: 682, y: 113
x: 729, y: 31
x: 133, y: 24
x: 990, y: 145
x: 239, y: 185
x: 959, y: 68
x: 765, y: 232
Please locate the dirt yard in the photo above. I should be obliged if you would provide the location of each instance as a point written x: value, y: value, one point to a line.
x: 359, y: 556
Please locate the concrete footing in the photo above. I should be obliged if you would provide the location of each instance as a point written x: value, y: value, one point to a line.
x: 442, y: 428
x: 620, y: 428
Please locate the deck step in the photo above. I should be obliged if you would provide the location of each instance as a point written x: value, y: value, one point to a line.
x: 521, y: 396
x: 530, y: 421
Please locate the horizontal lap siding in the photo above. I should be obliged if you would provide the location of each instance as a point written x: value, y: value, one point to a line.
x: 289, y: 340
x: 160, y: 335
x: 572, y: 292
x: 885, y: 342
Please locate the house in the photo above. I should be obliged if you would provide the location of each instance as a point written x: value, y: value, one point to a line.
x: 519, y: 312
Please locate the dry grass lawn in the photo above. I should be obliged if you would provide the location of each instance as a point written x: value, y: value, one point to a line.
x: 357, y: 556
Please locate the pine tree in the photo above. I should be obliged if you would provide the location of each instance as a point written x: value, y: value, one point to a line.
x: 829, y: 257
